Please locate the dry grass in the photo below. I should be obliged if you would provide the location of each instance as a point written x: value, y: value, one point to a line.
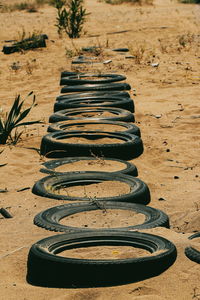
x: 28, y: 6
x: 140, y: 2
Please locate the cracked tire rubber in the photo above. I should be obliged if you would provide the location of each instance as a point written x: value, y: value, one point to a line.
x: 93, y: 94
x: 113, y: 101
x: 192, y: 253
x: 50, y: 218
x: 48, y: 186
x: 95, y: 79
x: 85, y: 125
x: 45, y: 268
x: 127, y: 169
x: 93, y: 113
x: 55, y: 145
x: 96, y: 87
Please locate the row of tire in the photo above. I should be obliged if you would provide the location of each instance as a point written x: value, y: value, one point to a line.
x: 95, y: 101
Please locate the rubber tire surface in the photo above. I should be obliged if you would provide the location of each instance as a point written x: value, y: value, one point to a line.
x: 53, y: 146
x: 68, y: 125
x: 96, y: 87
x: 192, y: 253
x: 92, y: 94
x: 70, y: 114
x: 45, y: 268
x: 50, y: 166
x: 79, y: 79
x: 49, y: 219
x: 113, y: 101
x: 45, y: 187
x: 69, y: 73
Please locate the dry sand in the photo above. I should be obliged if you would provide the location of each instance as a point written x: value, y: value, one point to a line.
x: 167, y: 111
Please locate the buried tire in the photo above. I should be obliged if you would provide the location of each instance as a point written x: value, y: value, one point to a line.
x: 86, y: 143
x: 93, y: 113
x: 112, y: 101
x: 46, y: 268
x: 192, y: 253
x: 125, y: 166
x: 93, y: 94
x: 51, y: 187
x: 50, y: 218
x: 109, y: 126
x: 96, y: 87
x: 95, y: 79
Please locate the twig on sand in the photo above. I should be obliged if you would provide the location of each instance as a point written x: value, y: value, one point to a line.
x: 9, y: 253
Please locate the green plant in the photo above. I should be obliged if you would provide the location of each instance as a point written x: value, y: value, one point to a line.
x: 70, y: 21
x: 140, y: 2
x: 190, y: 1
x: 13, y: 120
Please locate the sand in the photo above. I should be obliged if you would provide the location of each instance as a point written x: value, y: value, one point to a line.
x: 164, y: 77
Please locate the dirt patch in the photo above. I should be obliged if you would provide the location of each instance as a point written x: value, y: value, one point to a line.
x: 96, y: 190
x: 92, y: 165
x: 94, y: 140
x: 105, y: 252
x: 104, y: 218
x: 92, y: 115
x: 98, y: 127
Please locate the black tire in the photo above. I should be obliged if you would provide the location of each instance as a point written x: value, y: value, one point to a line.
x: 93, y: 94
x: 113, y: 101
x: 69, y: 73
x: 121, y: 50
x: 96, y: 87
x: 117, y: 114
x: 69, y: 125
x: 27, y: 44
x: 129, y: 146
x: 50, y: 166
x: 49, y: 219
x: 46, y: 187
x: 45, y: 268
x: 97, y: 79
x: 192, y: 253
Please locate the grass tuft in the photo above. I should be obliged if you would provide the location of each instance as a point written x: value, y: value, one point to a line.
x: 13, y: 120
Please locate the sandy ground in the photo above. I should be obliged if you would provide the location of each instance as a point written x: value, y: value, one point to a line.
x: 167, y: 111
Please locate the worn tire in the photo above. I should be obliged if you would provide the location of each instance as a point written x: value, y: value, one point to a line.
x: 69, y: 125
x: 69, y: 73
x: 49, y: 219
x: 96, y: 87
x: 113, y: 101
x: 192, y: 253
x: 117, y: 114
x: 130, y: 146
x: 93, y: 94
x: 46, y: 187
x: 95, y: 79
x: 45, y: 268
x: 51, y: 165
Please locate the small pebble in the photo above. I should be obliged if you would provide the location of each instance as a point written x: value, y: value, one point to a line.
x: 167, y: 150
x: 162, y: 199
x: 176, y: 177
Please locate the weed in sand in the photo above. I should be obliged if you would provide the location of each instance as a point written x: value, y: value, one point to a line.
x: 15, y: 66
x: 71, y: 20
x: 138, y: 52
x: 190, y: 1
x: 30, y: 66
x: 13, y: 119
x: 140, y: 2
